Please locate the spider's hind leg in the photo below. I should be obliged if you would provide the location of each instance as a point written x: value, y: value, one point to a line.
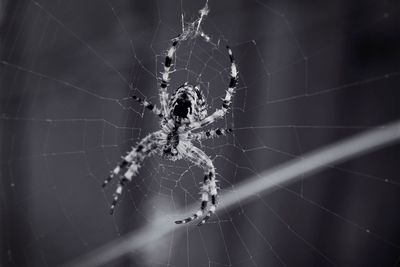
x: 212, y: 191
x: 132, y: 171
x: 124, y: 163
x: 118, y: 193
x: 208, y: 189
x: 204, y: 202
x: 149, y: 145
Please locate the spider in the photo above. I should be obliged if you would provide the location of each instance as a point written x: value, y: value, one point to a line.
x: 180, y: 114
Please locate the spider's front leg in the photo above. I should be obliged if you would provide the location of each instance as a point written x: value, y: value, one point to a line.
x: 209, y: 188
x: 210, y: 134
x: 227, y: 100
x: 165, y: 76
x: 149, y: 106
x: 133, y: 160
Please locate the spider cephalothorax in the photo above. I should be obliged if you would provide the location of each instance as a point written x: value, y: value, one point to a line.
x: 187, y: 104
x: 180, y: 114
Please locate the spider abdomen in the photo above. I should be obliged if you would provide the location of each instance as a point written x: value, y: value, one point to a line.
x: 173, y: 138
x: 169, y: 149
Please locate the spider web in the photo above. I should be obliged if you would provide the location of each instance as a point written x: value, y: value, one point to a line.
x: 310, y: 74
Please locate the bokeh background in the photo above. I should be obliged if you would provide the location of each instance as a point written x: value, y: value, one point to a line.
x: 311, y: 73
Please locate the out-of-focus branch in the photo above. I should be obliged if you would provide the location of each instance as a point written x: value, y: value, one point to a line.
x: 250, y: 189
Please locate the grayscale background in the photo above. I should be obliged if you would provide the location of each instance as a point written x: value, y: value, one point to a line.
x: 311, y: 73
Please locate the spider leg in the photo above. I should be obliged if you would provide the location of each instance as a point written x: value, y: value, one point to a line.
x: 210, y: 134
x: 209, y: 187
x: 118, y: 193
x: 227, y: 100
x: 203, y: 206
x: 148, y: 146
x: 149, y: 106
x: 165, y: 76
x: 132, y: 171
x: 213, y: 191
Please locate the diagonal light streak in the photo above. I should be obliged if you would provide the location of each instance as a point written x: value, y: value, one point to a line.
x: 250, y: 189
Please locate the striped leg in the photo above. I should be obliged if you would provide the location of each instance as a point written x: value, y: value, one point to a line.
x: 208, y: 189
x: 118, y: 193
x: 165, y: 76
x: 213, y: 191
x: 210, y: 134
x: 134, y: 159
x: 204, y: 201
x: 149, y: 106
x: 132, y: 171
x: 124, y: 163
x: 227, y: 100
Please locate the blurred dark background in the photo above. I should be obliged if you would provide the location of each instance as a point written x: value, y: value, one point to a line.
x: 311, y: 73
